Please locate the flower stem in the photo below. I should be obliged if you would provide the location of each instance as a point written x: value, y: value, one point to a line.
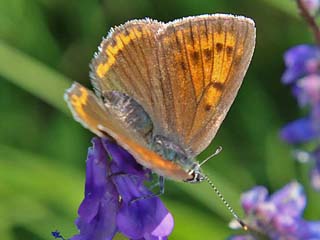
x: 310, y: 20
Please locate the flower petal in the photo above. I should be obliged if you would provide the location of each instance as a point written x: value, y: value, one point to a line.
x: 265, y: 212
x: 145, y: 216
x: 298, y: 131
x: 124, y: 160
x: 165, y: 227
x: 151, y: 237
x: 313, y: 230
x: 97, y: 212
x: 96, y: 170
x: 299, y: 61
x: 130, y: 187
x: 102, y: 226
x: 280, y: 217
x: 290, y: 200
x: 251, y: 198
x: 309, y: 89
x: 285, y: 225
x: 315, y: 178
x: 242, y: 237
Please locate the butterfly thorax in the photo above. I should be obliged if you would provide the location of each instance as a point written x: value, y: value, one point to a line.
x: 172, y: 152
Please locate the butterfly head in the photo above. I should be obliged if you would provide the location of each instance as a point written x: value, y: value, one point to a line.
x: 195, y: 174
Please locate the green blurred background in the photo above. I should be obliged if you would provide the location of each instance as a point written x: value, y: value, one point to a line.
x: 47, y: 44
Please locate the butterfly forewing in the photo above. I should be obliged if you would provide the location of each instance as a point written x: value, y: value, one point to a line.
x: 127, y: 62
x: 202, y: 63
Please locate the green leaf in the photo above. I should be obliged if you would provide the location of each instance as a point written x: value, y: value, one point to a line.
x: 280, y: 163
x: 205, y: 195
x: 33, y: 76
x: 191, y: 223
x: 38, y: 193
x: 287, y: 6
x: 25, y: 25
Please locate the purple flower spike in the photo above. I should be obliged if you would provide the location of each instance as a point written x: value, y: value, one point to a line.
x: 97, y: 212
x: 290, y: 200
x: 303, y: 73
x: 299, y: 131
x: 251, y: 198
x: 108, y: 206
x: 278, y: 216
x: 301, y: 61
x: 307, y: 90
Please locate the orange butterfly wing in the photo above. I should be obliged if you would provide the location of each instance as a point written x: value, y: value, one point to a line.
x: 203, y: 61
x: 92, y: 114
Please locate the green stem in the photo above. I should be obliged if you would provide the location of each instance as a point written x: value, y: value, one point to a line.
x: 310, y: 20
x: 33, y: 76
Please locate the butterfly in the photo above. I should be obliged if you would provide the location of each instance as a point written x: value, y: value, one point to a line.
x: 162, y: 90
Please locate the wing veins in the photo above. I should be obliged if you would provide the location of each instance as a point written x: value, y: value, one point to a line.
x: 170, y: 85
x: 184, y: 57
x: 189, y: 66
x: 132, y: 60
x: 123, y: 70
x: 228, y: 77
x: 202, y: 65
x: 212, y: 54
x: 223, y: 57
x: 145, y: 65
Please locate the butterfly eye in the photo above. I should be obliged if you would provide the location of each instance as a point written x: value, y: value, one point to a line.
x: 198, y: 177
x: 195, y: 175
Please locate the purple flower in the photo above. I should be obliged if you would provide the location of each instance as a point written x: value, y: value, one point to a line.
x: 303, y: 74
x: 315, y: 177
x: 300, y: 61
x: 110, y: 187
x: 299, y: 131
x: 307, y: 90
x: 278, y: 216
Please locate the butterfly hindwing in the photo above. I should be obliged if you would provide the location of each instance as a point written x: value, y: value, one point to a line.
x: 202, y: 61
x: 86, y: 108
x: 104, y: 122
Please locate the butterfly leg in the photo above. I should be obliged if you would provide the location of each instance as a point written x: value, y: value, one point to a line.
x: 160, y: 183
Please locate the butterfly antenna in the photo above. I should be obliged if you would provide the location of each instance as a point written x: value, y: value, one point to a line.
x: 218, y: 150
x: 216, y: 190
